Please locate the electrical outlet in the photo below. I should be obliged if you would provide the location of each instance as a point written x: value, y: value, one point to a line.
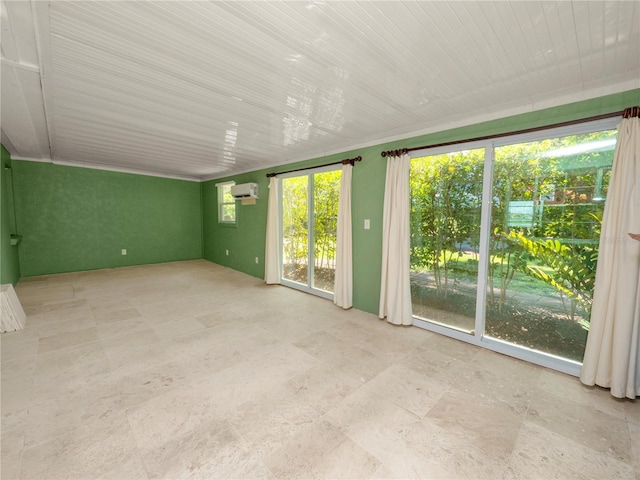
x: 257, y: 260
x: 226, y: 252
x: 124, y: 251
x: 367, y: 224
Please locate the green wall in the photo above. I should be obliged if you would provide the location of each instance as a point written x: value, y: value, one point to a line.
x: 9, y: 260
x: 74, y: 219
x: 247, y: 240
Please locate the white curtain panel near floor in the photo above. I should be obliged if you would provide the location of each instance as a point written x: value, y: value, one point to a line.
x: 343, y: 289
x: 272, y: 249
x: 395, y: 291
x: 12, y: 316
x: 612, y: 355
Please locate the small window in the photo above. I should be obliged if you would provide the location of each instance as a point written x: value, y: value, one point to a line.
x: 226, y: 204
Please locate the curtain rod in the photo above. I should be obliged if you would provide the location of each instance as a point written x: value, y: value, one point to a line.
x: 400, y: 151
x: 346, y: 161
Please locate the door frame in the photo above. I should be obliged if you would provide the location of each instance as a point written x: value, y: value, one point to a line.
x: 478, y: 337
x: 310, y: 231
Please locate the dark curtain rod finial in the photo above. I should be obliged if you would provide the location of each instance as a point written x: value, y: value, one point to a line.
x: 631, y: 112
x: 351, y: 161
x: 395, y: 153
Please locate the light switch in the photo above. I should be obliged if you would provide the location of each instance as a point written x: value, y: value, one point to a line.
x: 367, y: 224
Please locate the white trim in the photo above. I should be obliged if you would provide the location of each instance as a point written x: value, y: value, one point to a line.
x: 132, y: 171
x: 221, y: 203
x: 28, y: 159
x: 457, y: 147
x: 107, y: 168
x: 22, y: 66
x: 577, y: 129
x: 310, y: 171
x: 536, y: 357
x: 310, y: 230
x: 40, y: 17
x: 485, y: 244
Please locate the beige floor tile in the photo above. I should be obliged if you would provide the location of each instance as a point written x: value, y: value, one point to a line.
x: 66, y: 370
x: 129, y: 468
x: 271, y: 419
x: 321, y: 345
x: 25, y: 350
x: 634, y: 433
x: 565, y: 386
x: 10, y: 466
x: 34, y: 294
x: 17, y: 384
x: 83, y: 453
x: 12, y: 428
x: 632, y: 411
x: 434, y: 364
x: 62, y: 327
x: 56, y: 312
x: 169, y: 415
x: 129, y: 335
x: 479, y: 422
x: 68, y: 339
x: 95, y: 405
x: 116, y: 314
x: 126, y: 360
x: 123, y: 328
x: 219, y: 318
x: 213, y: 451
x: 506, y: 381
x: 429, y: 451
x: 540, y: 453
x: 321, y: 451
x: 200, y: 365
x: 322, y: 387
x: 564, y: 416
x: 142, y: 385
x: 407, y: 388
x: 372, y: 421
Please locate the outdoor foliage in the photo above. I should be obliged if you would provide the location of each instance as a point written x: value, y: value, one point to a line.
x: 547, y: 197
x: 295, y: 222
x: 573, y: 271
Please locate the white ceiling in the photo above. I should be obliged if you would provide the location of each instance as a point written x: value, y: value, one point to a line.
x: 207, y: 89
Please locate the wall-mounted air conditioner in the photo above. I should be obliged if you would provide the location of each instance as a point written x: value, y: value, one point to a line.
x: 245, y: 190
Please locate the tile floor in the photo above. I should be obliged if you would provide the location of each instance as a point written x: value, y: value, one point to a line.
x: 192, y: 370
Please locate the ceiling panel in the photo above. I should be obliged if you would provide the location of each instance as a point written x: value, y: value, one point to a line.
x: 207, y: 89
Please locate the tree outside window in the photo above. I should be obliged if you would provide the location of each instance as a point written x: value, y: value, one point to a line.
x: 226, y: 204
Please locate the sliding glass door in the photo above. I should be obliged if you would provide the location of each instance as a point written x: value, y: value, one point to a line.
x: 309, y: 227
x: 446, y: 190
x: 548, y: 200
x: 504, y: 240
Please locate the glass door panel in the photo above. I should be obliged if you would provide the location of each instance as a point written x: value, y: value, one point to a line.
x: 548, y: 199
x: 326, y: 192
x: 295, y: 229
x: 446, y: 201
x: 309, y: 231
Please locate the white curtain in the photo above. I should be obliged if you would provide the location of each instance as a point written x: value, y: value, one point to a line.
x: 343, y: 289
x: 272, y: 262
x: 395, y: 292
x: 612, y: 356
